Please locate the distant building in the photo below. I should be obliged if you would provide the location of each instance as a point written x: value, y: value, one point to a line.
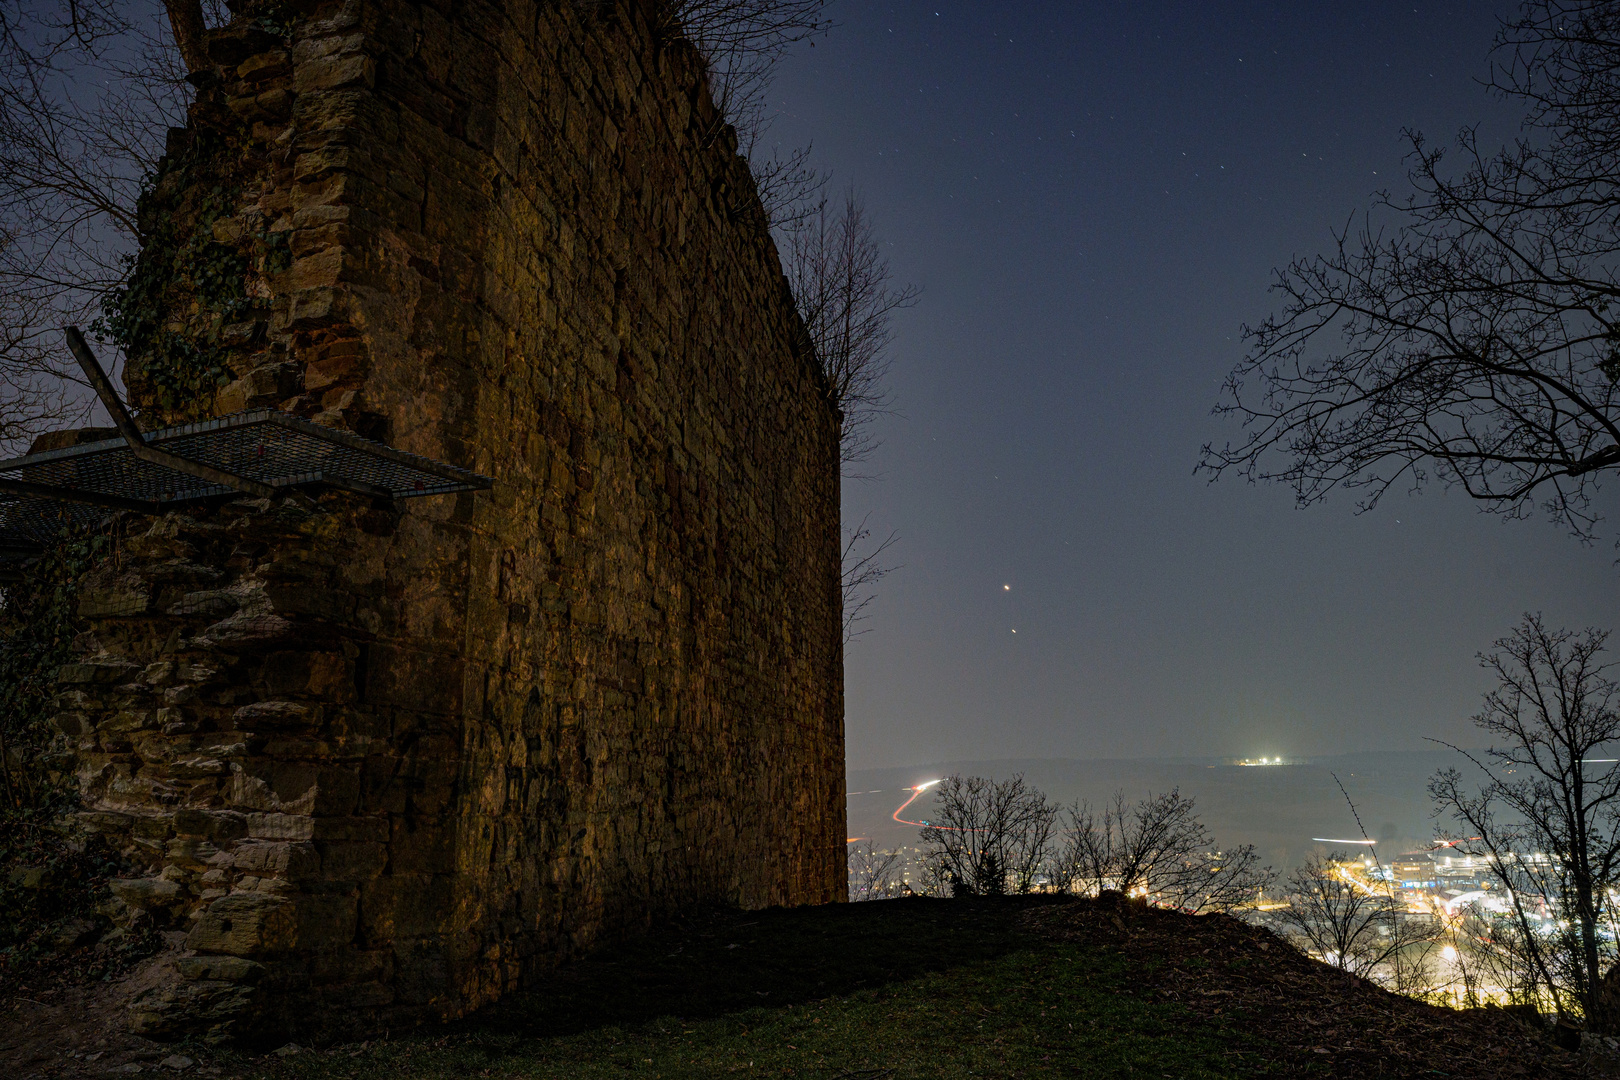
x: 1414, y: 870
x: 1462, y: 872
x: 1440, y: 870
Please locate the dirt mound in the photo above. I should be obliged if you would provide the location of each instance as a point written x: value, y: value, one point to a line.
x: 1315, y: 1018
x: 55, y: 1022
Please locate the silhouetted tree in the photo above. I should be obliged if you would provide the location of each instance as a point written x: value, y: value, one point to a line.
x: 863, y: 567
x: 987, y: 837
x: 873, y: 874
x: 741, y: 42
x: 1357, y: 926
x: 1546, y: 813
x: 1468, y: 332
x: 841, y: 282
x: 88, y: 89
x: 1157, y: 849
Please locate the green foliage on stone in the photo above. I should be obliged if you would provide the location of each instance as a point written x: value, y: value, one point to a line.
x: 180, y: 367
x: 50, y: 880
x: 187, y: 291
x: 37, y: 626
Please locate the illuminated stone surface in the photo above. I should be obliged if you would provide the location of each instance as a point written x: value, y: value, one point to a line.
x: 387, y: 764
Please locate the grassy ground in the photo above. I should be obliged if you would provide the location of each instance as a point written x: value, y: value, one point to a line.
x: 886, y: 991
x: 894, y: 990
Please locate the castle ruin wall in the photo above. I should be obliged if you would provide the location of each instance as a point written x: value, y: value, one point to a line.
x: 388, y: 762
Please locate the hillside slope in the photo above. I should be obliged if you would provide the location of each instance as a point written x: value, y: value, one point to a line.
x: 915, y: 989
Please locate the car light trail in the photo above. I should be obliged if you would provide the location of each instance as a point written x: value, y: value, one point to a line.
x: 915, y: 792
x: 1326, y: 840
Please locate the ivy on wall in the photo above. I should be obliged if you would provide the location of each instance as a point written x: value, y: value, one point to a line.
x: 186, y: 294
x: 50, y: 879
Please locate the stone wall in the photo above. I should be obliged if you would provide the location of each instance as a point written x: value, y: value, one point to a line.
x: 387, y: 762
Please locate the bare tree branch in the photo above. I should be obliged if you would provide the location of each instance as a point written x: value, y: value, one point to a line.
x: 873, y: 874
x: 1357, y: 926
x: 1466, y: 333
x: 740, y: 42
x: 990, y: 836
x: 1159, y: 850
x: 840, y: 278
x: 863, y: 567
x: 88, y: 90
x: 1546, y: 817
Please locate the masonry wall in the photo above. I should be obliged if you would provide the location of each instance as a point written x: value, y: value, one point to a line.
x: 388, y: 762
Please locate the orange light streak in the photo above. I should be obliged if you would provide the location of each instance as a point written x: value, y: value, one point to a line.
x: 915, y: 792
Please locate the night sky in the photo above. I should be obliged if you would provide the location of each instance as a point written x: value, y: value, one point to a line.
x: 1092, y: 198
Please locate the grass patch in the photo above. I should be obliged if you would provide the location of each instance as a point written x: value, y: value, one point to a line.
x: 897, y: 989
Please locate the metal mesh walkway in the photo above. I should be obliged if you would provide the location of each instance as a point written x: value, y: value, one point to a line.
x: 78, y: 485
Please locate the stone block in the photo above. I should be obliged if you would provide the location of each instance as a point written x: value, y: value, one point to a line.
x: 334, y: 72
x: 358, y: 996
x: 152, y: 826
x: 99, y: 672
x: 246, y: 924
x: 216, y: 1010
x: 116, y: 600
x: 266, y: 65
x: 147, y: 894
x: 352, y: 965
x: 283, y: 860
x: 233, y: 969
x: 245, y: 632
x: 324, y: 675
x: 278, y: 716
x: 401, y: 907
x: 105, y: 822
x: 314, y: 308
x: 348, y: 861
x: 217, y: 825
x: 413, y: 679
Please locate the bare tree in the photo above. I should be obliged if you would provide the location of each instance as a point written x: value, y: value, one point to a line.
x: 1356, y: 925
x: 837, y: 271
x: 1483, y: 962
x: 1469, y: 331
x: 863, y: 567
x: 1027, y: 856
x: 1546, y: 815
x: 1160, y: 850
x: 789, y: 186
x: 841, y: 280
x: 88, y: 89
x: 841, y: 283
x: 873, y: 874
x: 990, y: 836
x: 740, y: 42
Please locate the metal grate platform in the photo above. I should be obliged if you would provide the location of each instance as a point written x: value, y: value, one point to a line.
x: 78, y: 485
x: 27, y: 524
